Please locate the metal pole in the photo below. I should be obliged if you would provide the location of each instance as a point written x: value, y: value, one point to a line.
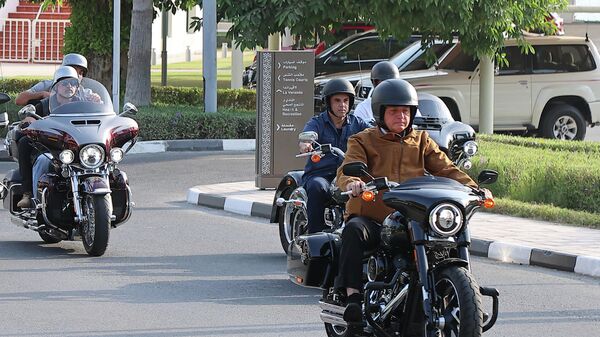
x: 116, y: 54
x: 209, y: 54
x: 163, y: 54
x: 486, y: 95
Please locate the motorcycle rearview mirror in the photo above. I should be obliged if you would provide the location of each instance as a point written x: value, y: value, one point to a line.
x: 28, y: 111
x: 487, y: 177
x: 355, y: 169
x: 3, y: 120
x: 4, y: 98
x: 129, y: 108
x: 308, y: 136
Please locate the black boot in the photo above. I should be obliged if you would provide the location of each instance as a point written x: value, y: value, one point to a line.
x: 353, y: 312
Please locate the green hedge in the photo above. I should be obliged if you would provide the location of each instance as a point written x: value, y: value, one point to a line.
x: 226, y: 98
x: 550, y: 172
x: 162, y: 123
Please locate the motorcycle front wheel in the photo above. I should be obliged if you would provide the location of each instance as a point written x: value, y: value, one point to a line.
x: 458, y: 300
x: 97, y: 211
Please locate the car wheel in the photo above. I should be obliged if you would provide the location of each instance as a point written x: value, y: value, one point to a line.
x: 563, y: 121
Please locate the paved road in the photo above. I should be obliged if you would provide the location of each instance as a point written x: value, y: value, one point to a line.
x: 180, y: 270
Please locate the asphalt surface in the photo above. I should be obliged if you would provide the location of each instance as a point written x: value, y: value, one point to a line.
x: 181, y: 270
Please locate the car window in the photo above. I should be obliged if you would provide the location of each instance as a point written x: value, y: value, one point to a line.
x: 420, y: 62
x: 562, y: 58
x: 516, y: 62
x: 458, y: 60
x: 365, y: 49
x: 396, y: 46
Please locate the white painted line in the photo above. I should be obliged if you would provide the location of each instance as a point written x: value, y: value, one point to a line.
x: 151, y: 146
x: 239, y: 144
x: 507, y: 252
x: 588, y: 265
x: 238, y: 206
x: 192, y: 195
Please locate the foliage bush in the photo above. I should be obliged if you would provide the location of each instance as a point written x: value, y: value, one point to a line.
x: 184, y: 123
x: 548, y: 172
x: 226, y: 98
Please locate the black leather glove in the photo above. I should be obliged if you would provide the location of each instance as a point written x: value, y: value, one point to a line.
x: 24, y: 124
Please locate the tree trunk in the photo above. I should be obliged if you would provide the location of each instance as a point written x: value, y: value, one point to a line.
x: 137, y: 89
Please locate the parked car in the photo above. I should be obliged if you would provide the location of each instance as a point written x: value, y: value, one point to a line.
x: 358, y: 52
x: 553, y: 92
x: 411, y: 58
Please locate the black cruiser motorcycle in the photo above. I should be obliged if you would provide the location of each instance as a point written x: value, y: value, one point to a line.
x: 418, y: 281
x: 291, y: 212
x: 456, y: 139
x: 82, y: 193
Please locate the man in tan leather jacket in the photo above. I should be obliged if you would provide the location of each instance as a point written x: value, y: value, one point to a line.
x: 392, y: 149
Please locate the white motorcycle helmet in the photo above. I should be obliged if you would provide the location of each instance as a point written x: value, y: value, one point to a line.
x: 74, y: 59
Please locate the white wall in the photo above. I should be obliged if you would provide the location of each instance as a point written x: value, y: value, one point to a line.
x: 9, y: 6
x: 179, y: 38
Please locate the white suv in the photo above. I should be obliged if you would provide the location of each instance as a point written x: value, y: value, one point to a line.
x: 554, y: 92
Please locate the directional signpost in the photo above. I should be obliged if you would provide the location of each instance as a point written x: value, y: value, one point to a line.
x: 284, y: 104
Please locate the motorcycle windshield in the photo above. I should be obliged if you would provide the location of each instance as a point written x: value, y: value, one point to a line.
x: 431, y: 107
x: 69, y: 97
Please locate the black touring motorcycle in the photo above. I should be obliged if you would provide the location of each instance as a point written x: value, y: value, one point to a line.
x: 456, y: 139
x: 81, y: 194
x: 418, y: 280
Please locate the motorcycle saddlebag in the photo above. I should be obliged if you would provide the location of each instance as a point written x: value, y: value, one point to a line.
x: 312, y: 259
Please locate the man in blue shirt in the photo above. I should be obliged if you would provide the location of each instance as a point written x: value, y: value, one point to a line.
x: 334, y: 126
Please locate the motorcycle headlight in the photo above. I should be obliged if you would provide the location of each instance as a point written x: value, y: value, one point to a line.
x: 470, y: 148
x: 116, y: 154
x: 445, y: 219
x: 66, y: 156
x: 91, y: 156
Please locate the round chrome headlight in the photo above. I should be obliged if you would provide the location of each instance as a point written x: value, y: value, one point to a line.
x: 445, y: 219
x: 91, y: 156
x: 470, y: 148
x: 116, y: 154
x: 66, y: 156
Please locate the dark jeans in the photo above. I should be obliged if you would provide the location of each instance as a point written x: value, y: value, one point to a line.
x: 359, y: 235
x: 317, y: 190
x: 25, y: 163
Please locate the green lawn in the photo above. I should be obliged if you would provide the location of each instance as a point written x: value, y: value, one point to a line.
x: 189, y: 74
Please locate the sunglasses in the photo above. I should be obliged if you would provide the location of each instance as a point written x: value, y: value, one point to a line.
x: 72, y: 82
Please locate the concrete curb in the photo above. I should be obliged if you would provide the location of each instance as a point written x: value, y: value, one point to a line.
x: 496, y: 250
x: 156, y: 146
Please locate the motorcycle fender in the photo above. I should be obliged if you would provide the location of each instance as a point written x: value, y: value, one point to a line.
x: 450, y: 261
x: 95, y: 185
x: 290, y: 182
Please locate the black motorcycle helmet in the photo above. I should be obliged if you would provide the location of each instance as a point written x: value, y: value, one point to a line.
x: 338, y: 86
x: 394, y: 92
x: 382, y: 71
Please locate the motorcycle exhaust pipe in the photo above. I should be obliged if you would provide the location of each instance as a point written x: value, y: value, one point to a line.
x: 333, y: 319
x: 336, y: 309
x: 332, y: 314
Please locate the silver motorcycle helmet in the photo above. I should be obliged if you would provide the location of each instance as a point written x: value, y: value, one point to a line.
x: 64, y: 72
x: 74, y: 59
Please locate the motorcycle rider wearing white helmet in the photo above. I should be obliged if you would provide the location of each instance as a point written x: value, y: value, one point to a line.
x: 395, y: 150
x: 64, y: 89
x: 41, y: 89
x: 380, y: 72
